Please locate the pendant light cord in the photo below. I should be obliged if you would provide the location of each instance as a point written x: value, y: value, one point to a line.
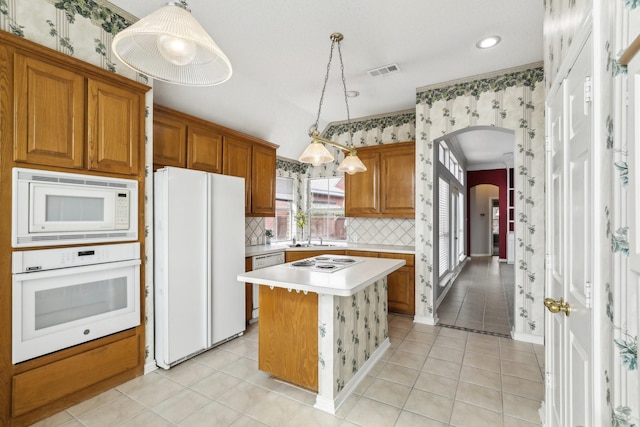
x: 334, y: 39
x: 346, y: 102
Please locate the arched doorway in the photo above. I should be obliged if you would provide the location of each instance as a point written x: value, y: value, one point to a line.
x: 486, y: 156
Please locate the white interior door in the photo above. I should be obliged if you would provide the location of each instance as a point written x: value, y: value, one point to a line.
x: 633, y: 201
x: 568, y: 323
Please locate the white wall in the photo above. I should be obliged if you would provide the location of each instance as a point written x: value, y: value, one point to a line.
x: 480, y: 218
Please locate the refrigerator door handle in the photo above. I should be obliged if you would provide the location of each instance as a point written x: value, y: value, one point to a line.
x: 209, y: 237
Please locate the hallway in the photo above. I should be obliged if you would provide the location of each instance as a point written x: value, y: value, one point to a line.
x: 481, y: 299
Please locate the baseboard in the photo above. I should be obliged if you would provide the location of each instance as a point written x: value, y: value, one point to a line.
x: 533, y: 339
x: 472, y: 255
x: 150, y: 366
x: 424, y: 320
x: 331, y: 406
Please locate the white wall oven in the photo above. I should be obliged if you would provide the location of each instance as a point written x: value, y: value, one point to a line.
x: 56, y: 208
x: 67, y: 296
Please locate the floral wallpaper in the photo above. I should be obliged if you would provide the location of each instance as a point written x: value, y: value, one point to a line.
x: 84, y: 29
x: 512, y: 99
x: 350, y: 331
x: 360, y: 328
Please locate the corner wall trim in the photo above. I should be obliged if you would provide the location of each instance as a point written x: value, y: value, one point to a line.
x: 533, y: 339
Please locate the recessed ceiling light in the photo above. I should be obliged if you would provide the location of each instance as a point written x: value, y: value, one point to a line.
x: 353, y: 93
x: 488, y: 42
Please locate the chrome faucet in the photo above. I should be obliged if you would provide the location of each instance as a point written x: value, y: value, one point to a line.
x: 321, y: 241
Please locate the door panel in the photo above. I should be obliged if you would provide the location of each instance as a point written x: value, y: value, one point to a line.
x: 555, y: 324
x: 570, y: 218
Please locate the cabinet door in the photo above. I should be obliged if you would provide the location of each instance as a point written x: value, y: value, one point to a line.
x: 401, y: 291
x: 115, y: 134
x: 263, y: 181
x: 204, y: 149
x: 169, y: 141
x: 398, y: 181
x: 237, y: 162
x: 49, y: 114
x: 362, y: 192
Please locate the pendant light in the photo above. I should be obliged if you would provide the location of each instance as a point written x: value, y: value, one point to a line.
x: 170, y: 45
x: 316, y: 153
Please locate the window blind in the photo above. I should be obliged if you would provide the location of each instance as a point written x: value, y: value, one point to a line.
x: 443, y: 226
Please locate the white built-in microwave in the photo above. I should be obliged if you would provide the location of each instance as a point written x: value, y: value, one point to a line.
x: 56, y: 208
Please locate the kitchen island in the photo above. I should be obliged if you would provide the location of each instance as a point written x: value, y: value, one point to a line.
x: 323, y: 322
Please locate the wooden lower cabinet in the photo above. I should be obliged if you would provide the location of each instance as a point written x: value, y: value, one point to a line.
x: 46, y: 384
x: 288, y: 336
x: 362, y: 253
x: 401, y: 290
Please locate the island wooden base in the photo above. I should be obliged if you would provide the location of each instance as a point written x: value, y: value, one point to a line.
x: 288, y: 336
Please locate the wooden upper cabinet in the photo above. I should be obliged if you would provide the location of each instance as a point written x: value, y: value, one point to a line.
x: 362, y: 190
x: 263, y: 181
x: 169, y: 141
x: 49, y: 112
x: 387, y: 188
x: 237, y: 162
x: 186, y: 141
x: 398, y: 180
x: 204, y: 149
x: 115, y: 123
x: 66, y: 117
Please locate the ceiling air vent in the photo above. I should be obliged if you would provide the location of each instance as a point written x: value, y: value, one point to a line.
x: 384, y: 71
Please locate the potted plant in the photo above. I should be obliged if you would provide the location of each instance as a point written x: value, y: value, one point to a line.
x: 269, y: 234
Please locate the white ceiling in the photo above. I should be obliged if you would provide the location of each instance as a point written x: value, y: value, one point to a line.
x: 485, y: 147
x: 279, y: 50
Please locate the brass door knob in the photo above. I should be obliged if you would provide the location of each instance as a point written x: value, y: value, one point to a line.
x: 557, y: 306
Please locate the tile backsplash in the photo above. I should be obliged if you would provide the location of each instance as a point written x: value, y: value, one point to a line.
x: 254, y: 231
x: 381, y: 231
x: 376, y: 231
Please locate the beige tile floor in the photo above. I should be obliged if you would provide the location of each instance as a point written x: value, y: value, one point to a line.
x: 431, y: 376
x: 479, y: 296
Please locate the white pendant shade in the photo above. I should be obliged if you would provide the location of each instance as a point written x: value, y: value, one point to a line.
x: 316, y: 153
x: 170, y: 45
x: 352, y: 164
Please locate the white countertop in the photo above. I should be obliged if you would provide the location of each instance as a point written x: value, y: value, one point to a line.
x: 280, y: 247
x: 345, y: 282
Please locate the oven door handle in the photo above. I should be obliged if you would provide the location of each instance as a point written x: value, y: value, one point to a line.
x: 34, y: 275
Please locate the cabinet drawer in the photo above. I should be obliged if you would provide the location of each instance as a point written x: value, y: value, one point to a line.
x: 48, y: 383
x: 409, y: 258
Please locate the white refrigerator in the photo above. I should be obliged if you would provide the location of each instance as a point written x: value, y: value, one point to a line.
x: 199, y: 250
